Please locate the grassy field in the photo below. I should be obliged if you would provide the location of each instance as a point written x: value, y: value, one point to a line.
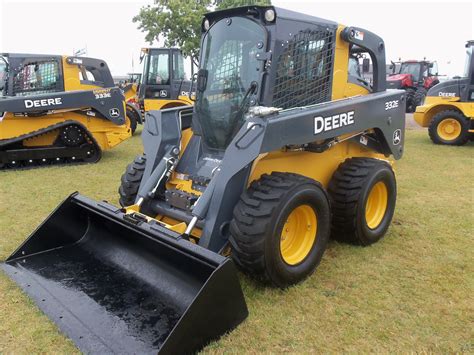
x: 410, y: 292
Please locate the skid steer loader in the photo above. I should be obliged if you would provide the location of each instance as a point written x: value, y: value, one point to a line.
x: 58, y: 110
x: 281, y: 150
x: 448, y: 109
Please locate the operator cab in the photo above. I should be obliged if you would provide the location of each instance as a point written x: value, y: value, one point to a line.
x: 249, y: 60
x: 3, y: 73
x: 469, y: 69
x: 419, y: 70
x: 166, y: 75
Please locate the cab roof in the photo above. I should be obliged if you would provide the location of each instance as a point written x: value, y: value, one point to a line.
x: 260, y: 10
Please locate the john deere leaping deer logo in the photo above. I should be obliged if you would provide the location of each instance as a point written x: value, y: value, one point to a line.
x: 114, y: 112
x: 397, y: 137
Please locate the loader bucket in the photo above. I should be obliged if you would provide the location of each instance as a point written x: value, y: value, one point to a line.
x: 118, y: 285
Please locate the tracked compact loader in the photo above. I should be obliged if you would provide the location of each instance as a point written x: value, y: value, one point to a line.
x: 448, y: 109
x: 282, y: 149
x: 58, y: 110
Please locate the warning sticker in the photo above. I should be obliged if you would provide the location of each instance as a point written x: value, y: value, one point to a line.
x: 359, y: 35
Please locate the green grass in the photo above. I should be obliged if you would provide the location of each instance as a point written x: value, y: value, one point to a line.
x: 410, y: 292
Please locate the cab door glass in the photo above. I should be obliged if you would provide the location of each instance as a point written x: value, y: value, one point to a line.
x: 36, y: 78
x: 159, y: 69
x: 178, y: 67
x: 3, y: 73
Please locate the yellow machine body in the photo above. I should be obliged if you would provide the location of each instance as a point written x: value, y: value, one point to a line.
x: 162, y: 104
x: 107, y: 134
x: 435, y: 104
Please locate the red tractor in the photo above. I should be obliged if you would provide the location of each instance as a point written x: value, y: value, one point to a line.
x: 416, y: 77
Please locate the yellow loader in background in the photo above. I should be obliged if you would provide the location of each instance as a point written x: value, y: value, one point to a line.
x: 448, y: 109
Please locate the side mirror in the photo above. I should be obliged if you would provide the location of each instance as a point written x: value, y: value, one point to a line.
x: 365, y: 65
x: 191, y: 96
x: 143, y: 53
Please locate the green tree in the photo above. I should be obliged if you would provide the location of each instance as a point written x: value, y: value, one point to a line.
x: 179, y: 21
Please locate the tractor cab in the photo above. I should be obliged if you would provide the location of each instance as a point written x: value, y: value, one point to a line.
x: 460, y: 89
x: 416, y: 78
x: 166, y: 79
x: 413, y: 73
x: 469, y: 71
x: 422, y: 72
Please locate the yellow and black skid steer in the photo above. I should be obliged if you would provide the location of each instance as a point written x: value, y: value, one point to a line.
x: 58, y: 110
x: 448, y: 108
x: 282, y: 149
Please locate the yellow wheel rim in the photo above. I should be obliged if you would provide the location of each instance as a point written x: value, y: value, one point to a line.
x: 376, y: 205
x: 449, y: 129
x: 298, y: 234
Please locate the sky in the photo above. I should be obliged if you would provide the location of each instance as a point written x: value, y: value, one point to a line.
x: 410, y: 29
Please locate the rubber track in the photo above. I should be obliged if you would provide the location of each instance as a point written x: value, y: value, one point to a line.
x: 4, y: 143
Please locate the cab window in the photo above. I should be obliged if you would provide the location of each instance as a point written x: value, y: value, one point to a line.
x: 178, y: 67
x: 354, y: 69
x: 37, y: 77
x: 158, y: 72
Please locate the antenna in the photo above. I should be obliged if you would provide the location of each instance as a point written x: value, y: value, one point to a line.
x: 79, y: 52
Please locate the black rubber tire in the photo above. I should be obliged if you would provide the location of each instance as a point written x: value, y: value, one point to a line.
x: 132, y: 116
x: 348, y: 191
x: 420, y: 96
x: 410, y: 100
x: 130, y: 181
x: 259, y: 217
x: 463, y: 137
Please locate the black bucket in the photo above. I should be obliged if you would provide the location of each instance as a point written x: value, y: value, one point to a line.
x: 115, y: 285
